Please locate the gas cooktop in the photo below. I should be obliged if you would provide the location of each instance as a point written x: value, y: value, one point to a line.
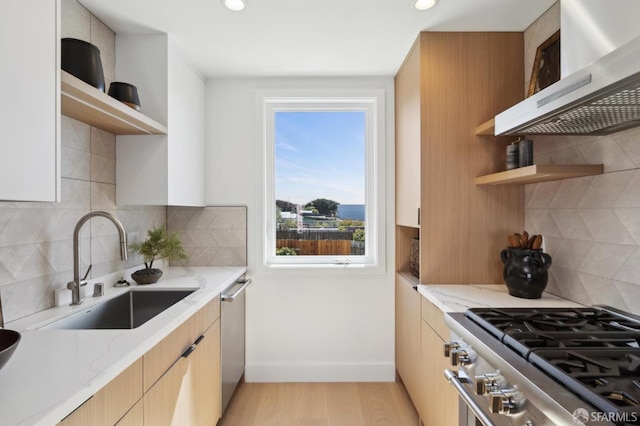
x: 594, y: 352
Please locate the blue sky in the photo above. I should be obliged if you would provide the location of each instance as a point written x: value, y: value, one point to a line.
x: 320, y: 154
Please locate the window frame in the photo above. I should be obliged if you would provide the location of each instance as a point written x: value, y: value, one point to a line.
x: 372, y: 103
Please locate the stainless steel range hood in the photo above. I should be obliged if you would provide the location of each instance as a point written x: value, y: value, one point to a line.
x: 601, y: 98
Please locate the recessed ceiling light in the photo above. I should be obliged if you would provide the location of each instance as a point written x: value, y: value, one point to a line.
x: 235, y: 5
x: 425, y: 4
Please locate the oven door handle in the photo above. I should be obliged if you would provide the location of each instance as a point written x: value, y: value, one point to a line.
x: 453, y: 378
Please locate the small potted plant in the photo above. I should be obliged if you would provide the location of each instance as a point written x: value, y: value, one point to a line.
x: 158, y: 245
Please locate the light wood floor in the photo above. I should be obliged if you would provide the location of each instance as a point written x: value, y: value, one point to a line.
x: 320, y: 404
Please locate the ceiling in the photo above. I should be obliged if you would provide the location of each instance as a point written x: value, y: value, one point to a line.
x: 305, y: 37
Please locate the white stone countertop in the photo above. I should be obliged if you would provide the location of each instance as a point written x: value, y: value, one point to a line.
x: 54, y: 371
x: 459, y: 298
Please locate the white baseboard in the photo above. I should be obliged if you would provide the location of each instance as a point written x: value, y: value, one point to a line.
x: 383, y: 372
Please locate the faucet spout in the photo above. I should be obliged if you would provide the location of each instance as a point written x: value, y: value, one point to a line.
x: 78, y: 282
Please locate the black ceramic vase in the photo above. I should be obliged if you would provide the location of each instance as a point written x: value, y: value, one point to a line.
x: 82, y: 59
x: 146, y: 276
x: 525, y: 271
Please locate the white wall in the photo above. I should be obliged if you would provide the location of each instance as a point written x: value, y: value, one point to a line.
x: 302, y: 327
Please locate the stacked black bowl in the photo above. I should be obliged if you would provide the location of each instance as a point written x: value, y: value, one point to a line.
x: 82, y: 59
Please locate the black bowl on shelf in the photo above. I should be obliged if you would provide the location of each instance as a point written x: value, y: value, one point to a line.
x: 125, y: 93
x: 9, y: 340
x: 82, y: 59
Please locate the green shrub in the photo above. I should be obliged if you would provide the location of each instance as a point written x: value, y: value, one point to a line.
x: 358, y: 235
x: 285, y: 251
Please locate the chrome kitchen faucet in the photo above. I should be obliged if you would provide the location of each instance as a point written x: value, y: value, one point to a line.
x: 77, y: 282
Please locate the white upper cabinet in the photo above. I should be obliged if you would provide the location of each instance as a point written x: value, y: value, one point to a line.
x: 164, y: 169
x: 30, y: 102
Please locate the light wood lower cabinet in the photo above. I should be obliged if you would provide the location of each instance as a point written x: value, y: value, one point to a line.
x: 176, y: 383
x: 111, y: 402
x: 135, y: 416
x: 408, y: 338
x: 440, y: 400
x: 188, y: 393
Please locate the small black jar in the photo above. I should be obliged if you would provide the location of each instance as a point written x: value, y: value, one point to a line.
x: 82, y: 59
x: 525, y: 271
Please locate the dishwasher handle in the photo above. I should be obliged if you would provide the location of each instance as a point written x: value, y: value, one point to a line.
x: 230, y: 298
x: 453, y: 378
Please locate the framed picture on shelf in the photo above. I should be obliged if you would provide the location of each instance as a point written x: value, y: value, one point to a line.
x: 546, y: 66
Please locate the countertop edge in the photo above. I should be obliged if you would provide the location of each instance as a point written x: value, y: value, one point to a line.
x: 460, y: 297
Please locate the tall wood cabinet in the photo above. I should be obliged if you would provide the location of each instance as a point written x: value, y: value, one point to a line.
x: 448, y: 84
x: 30, y: 101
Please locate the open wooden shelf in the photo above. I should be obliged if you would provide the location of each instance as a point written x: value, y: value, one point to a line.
x: 85, y: 103
x: 487, y: 128
x: 539, y: 173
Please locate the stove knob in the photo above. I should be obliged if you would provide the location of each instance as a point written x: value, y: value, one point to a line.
x: 505, y: 401
x: 488, y: 383
x: 448, y: 347
x: 460, y: 357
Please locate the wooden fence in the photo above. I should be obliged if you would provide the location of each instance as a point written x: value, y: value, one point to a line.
x: 307, y: 234
x: 317, y: 247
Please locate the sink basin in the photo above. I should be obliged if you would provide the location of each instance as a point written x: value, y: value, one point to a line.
x: 127, y: 311
x: 9, y: 340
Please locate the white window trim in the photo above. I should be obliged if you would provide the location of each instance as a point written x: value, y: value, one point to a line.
x: 373, y: 103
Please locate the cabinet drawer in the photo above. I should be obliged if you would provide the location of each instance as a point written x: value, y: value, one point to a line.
x: 189, y: 392
x: 135, y: 416
x: 111, y: 402
x: 165, y: 353
x: 435, y: 318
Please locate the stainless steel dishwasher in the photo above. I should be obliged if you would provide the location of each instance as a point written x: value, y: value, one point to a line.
x: 232, y: 323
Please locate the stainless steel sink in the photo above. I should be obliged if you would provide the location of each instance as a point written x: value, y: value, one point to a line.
x: 127, y: 311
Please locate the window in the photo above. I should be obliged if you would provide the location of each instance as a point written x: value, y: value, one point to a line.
x: 323, y: 181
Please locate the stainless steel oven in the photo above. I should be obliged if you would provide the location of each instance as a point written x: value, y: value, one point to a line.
x: 537, y: 367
